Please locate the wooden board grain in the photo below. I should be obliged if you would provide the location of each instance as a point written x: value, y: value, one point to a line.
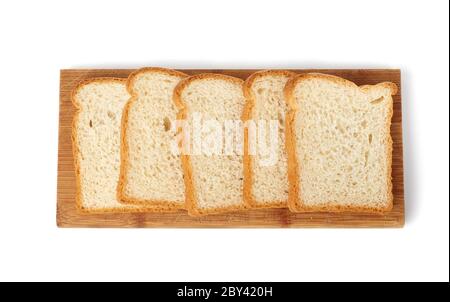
x: 68, y: 216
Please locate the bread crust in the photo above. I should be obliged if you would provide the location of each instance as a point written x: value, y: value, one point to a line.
x: 158, y: 205
x: 250, y: 101
x: 191, y: 199
x: 294, y: 202
x: 75, y: 150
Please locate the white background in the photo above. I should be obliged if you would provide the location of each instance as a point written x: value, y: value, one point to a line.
x: 38, y: 38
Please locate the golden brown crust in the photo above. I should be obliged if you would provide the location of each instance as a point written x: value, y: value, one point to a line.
x: 75, y: 150
x: 159, y: 205
x: 130, y: 209
x: 247, y: 160
x: 89, y: 81
x: 294, y: 202
x: 290, y: 149
x: 166, y: 71
x: 202, y: 76
x: 191, y: 199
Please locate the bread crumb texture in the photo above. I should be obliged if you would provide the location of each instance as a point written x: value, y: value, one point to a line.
x: 97, y: 137
x: 343, y: 144
x: 270, y: 183
x: 153, y: 171
x: 217, y: 179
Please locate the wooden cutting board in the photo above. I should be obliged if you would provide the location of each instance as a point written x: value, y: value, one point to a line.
x: 68, y: 216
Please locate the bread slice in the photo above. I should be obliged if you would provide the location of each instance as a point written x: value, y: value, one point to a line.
x: 214, y: 181
x: 151, y: 172
x: 265, y: 174
x: 96, y: 144
x: 339, y: 144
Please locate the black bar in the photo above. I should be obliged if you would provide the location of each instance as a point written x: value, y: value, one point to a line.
x: 214, y: 291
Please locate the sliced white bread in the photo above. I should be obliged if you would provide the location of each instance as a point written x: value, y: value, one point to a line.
x: 266, y: 183
x: 339, y: 144
x: 214, y: 182
x: 151, y: 172
x: 96, y: 144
